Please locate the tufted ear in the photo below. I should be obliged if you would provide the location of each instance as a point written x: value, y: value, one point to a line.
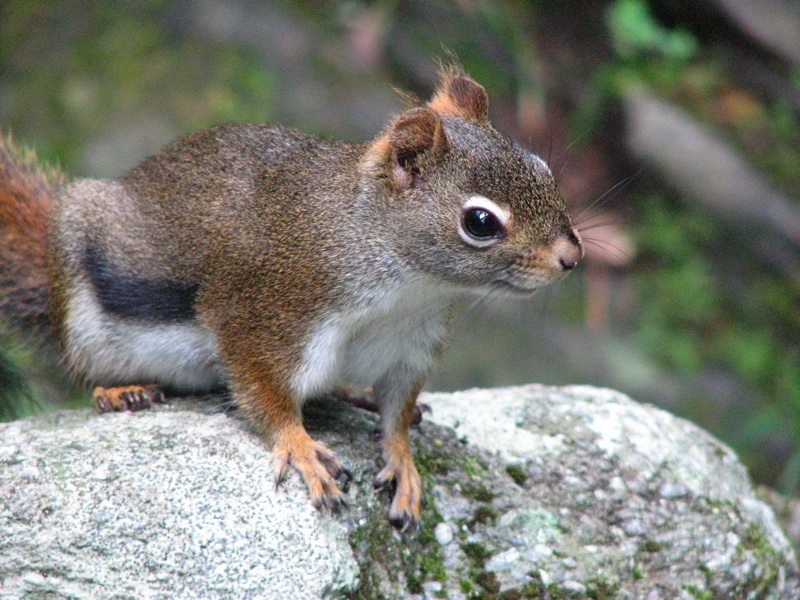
x: 415, y: 140
x: 460, y: 96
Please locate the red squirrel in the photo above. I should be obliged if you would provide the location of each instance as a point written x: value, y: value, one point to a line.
x: 284, y: 267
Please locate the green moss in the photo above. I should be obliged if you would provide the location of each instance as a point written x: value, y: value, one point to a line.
x: 756, y: 541
x: 379, y: 551
x: 600, y: 589
x: 651, y: 546
x: 432, y: 566
x: 518, y: 474
x: 484, y: 514
x: 432, y: 463
x: 479, y: 492
x: 698, y: 593
x: 372, y: 539
x: 476, y: 553
x: 765, y: 555
x: 474, y: 466
x: 533, y: 589
x: 488, y: 581
x: 424, y: 562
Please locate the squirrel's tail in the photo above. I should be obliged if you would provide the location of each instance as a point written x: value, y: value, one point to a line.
x: 27, y: 196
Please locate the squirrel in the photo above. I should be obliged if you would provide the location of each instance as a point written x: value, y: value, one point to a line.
x: 285, y: 267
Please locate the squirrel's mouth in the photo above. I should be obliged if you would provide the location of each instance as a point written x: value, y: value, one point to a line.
x: 516, y: 288
x: 526, y: 282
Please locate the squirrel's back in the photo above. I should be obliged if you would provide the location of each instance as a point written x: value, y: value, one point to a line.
x: 227, y: 186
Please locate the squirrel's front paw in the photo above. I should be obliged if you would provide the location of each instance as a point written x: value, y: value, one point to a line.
x: 318, y: 465
x: 404, y: 513
x: 128, y: 397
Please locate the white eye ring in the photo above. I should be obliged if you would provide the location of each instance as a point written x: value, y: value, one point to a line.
x: 500, y: 214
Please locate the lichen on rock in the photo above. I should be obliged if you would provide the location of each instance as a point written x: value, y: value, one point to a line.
x: 533, y: 492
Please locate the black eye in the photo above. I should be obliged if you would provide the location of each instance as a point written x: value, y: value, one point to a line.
x: 481, y: 224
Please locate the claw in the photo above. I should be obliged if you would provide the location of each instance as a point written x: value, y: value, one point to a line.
x: 131, y: 398
x: 419, y: 409
x: 381, y: 481
x: 346, y: 477
x: 405, y: 524
x: 405, y: 508
x: 127, y: 402
x: 281, y: 469
x: 315, y: 462
x: 156, y: 395
x: 103, y: 404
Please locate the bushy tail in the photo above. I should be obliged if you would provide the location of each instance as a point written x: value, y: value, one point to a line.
x: 27, y: 196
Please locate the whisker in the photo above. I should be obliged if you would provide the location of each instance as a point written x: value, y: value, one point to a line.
x: 605, y: 224
x: 607, y: 247
x: 444, y: 308
x: 479, y: 304
x: 576, y: 140
x: 568, y: 148
x: 592, y: 210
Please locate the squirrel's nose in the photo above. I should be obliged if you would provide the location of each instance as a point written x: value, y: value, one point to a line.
x: 569, y: 250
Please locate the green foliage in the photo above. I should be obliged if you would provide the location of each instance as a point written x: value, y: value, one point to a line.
x: 705, y: 302
x: 679, y: 296
x: 15, y: 396
x: 696, y: 312
x: 118, y: 59
x: 635, y: 32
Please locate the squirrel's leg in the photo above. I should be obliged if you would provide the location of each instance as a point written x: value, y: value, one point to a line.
x: 365, y: 400
x: 127, y: 397
x: 274, y: 413
x: 397, y: 416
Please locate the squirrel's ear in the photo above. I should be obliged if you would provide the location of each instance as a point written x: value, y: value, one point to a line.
x: 414, y: 140
x: 460, y: 96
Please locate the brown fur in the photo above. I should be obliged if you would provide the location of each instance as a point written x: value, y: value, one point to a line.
x: 27, y: 198
x: 282, y: 265
x: 459, y: 96
x: 400, y: 467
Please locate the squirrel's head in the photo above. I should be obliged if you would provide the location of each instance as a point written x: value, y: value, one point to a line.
x: 466, y: 204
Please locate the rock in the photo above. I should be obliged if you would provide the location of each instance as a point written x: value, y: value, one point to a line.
x: 170, y: 503
x: 443, y: 533
x: 532, y: 492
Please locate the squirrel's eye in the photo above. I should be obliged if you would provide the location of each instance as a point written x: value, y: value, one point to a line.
x: 481, y: 224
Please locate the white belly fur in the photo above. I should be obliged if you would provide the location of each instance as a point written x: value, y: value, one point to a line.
x: 357, y: 348
x: 352, y: 349
x: 110, y: 351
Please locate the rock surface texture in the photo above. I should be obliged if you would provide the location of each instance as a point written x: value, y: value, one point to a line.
x: 533, y: 492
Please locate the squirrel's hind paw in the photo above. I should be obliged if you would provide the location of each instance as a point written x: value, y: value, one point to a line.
x: 129, y: 397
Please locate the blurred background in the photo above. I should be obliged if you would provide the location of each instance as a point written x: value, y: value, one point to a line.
x: 673, y: 127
